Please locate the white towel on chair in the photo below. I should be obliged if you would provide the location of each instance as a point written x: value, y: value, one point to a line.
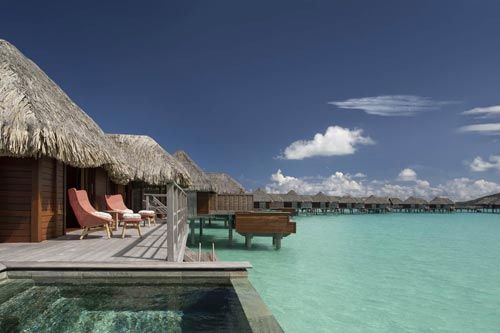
x: 131, y: 216
x: 102, y: 215
x: 146, y: 212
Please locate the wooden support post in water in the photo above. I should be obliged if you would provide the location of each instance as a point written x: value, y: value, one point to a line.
x: 278, y: 241
x: 248, y: 240
x: 230, y: 226
x: 199, y: 251
x: 191, y: 224
x: 202, y: 220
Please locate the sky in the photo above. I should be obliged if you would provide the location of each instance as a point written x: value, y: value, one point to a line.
x: 345, y: 97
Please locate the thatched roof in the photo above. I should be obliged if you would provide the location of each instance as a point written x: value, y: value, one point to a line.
x: 225, y: 184
x: 261, y: 196
x: 347, y: 199
x: 291, y: 196
x: 37, y: 119
x: 306, y: 198
x: 441, y: 201
x: 415, y: 201
x: 276, y: 197
x: 373, y: 200
x: 334, y: 198
x: 320, y: 197
x: 396, y: 201
x: 150, y: 163
x: 199, y: 180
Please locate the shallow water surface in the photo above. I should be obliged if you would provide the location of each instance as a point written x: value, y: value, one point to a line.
x: 379, y: 273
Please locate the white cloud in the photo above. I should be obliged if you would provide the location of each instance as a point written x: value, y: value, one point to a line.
x: 479, y: 165
x: 391, y: 105
x: 339, y: 183
x: 359, y: 175
x: 336, y: 141
x: 487, y: 129
x: 407, y: 175
x: 484, y: 111
x: 336, y: 184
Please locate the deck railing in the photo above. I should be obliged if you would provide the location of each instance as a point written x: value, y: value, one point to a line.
x: 176, y: 211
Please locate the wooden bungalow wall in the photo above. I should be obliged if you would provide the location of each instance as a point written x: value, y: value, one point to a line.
x: 31, y: 199
x: 235, y: 202
x: 205, y: 202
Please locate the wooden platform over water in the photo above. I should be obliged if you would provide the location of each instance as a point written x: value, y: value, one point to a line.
x: 98, y: 251
x: 273, y: 224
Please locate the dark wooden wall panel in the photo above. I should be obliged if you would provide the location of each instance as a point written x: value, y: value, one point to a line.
x: 101, y: 189
x: 51, y: 188
x: 15, y: 199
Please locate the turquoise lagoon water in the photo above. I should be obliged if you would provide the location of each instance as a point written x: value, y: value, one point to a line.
x: 379, y: 273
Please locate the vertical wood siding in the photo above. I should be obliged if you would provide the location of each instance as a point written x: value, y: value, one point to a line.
x: 51, y: 189
x: 15, y: 199
x: 235, y: 202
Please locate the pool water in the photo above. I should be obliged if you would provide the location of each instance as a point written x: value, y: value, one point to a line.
x: 29, y: 307
x: 378, y: 273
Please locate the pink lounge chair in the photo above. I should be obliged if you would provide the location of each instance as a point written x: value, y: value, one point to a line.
x: 127, y: 216
x: 115, y: 202
x: 89, y: 219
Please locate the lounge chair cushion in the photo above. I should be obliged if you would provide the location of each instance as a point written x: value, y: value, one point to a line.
x: 147, y: 212
x: 102, y: 215
x: 131, y: 216
x: 126, y: 211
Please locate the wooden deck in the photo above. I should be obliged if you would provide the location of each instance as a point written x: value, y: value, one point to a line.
x: 94, y: 248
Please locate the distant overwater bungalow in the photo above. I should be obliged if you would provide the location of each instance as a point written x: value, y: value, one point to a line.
x: 321, y: 202
x: 292, y: 200
x: 413, y: 205
x: 307, y: 203
x: 261, y: 199
x: 396, y: 204
x: 442, y: 205
x: 374, y: 204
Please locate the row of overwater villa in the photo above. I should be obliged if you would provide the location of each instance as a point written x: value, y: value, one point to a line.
x: 323, y: 204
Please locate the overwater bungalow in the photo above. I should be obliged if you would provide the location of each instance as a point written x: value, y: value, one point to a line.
x: 396, y: 204
x: 350, y: 204
x: 152, y: 169
x: 443, y: 205
x: 413, y: 204
x: 307, y: 203
x: 375, y: 204
x: 292, y: 200
x: 277, y: 201
x: 334, y: 202
x: 231, y: 195
x: 47, y: 145
x: 321, y: 202
x: 202, y: 197
x: 261, y: 199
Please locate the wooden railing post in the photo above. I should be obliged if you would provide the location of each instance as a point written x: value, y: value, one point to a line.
x: 171, y: 239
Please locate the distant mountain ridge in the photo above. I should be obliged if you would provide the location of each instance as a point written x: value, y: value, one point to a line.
x: 474, y: 201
